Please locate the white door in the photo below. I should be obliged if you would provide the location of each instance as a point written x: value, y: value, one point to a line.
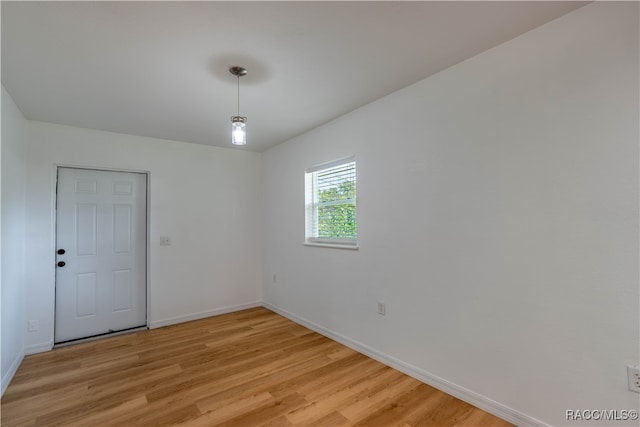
x: 101, y: 252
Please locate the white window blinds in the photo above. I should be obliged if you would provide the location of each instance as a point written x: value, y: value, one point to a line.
x: 330, y: 193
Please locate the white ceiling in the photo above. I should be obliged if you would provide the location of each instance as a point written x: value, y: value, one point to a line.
x: 160, y: 69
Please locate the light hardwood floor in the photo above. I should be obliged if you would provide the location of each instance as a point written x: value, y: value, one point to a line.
x: 248, y: 368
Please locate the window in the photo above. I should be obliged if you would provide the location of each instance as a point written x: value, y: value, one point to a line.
x: 330, y: 199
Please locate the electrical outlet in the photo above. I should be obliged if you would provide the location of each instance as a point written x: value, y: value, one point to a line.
x: 633, y: 376
x: 382, y: 309
x: 165, y: 241
x: 33, y: 325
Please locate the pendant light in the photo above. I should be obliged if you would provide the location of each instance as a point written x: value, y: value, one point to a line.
x: 238, y: 123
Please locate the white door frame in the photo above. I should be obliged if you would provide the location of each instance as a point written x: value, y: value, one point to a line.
x: 54, y: 213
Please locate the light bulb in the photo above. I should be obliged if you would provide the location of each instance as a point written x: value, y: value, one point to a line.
x: 238, y: 131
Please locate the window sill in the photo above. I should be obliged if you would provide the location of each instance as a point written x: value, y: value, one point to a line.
x: 332, y: 245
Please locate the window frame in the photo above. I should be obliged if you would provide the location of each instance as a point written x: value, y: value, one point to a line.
x: 312, y: 205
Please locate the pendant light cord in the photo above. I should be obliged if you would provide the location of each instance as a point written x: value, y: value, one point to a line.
x: 238, y: 95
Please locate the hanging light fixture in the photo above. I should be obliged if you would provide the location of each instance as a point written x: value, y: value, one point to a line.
x: 238, y: 123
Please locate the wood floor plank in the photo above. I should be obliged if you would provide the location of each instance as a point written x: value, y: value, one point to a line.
x: 378, y: 396
x: 333, y: 419
x: 250, y: 368
x: 105, y: 418
x: 403, y: 408
x: 324, y: 404
x: 196, y: 382
x: 28, y: 408
x: 263, y: 383
x: 77, y: 374
x: 266, y: 413
x: 213, y: 415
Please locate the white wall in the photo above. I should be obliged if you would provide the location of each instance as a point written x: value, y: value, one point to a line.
x: 497, y: 218
x: 13, y: 155
x: 205, y: 198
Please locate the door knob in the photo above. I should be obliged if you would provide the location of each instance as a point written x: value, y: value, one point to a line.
x: 62, y: 264
x: 61, y: 251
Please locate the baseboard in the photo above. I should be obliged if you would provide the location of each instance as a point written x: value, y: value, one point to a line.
x: 469, y: 396
x: 6, y: 378
x: 38, y: 348
x: 202, y: 314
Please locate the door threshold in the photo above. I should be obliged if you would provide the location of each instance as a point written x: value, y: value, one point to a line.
x: 100, y: 336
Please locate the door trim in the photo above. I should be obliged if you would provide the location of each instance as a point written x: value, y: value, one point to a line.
x: 54, y: 231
